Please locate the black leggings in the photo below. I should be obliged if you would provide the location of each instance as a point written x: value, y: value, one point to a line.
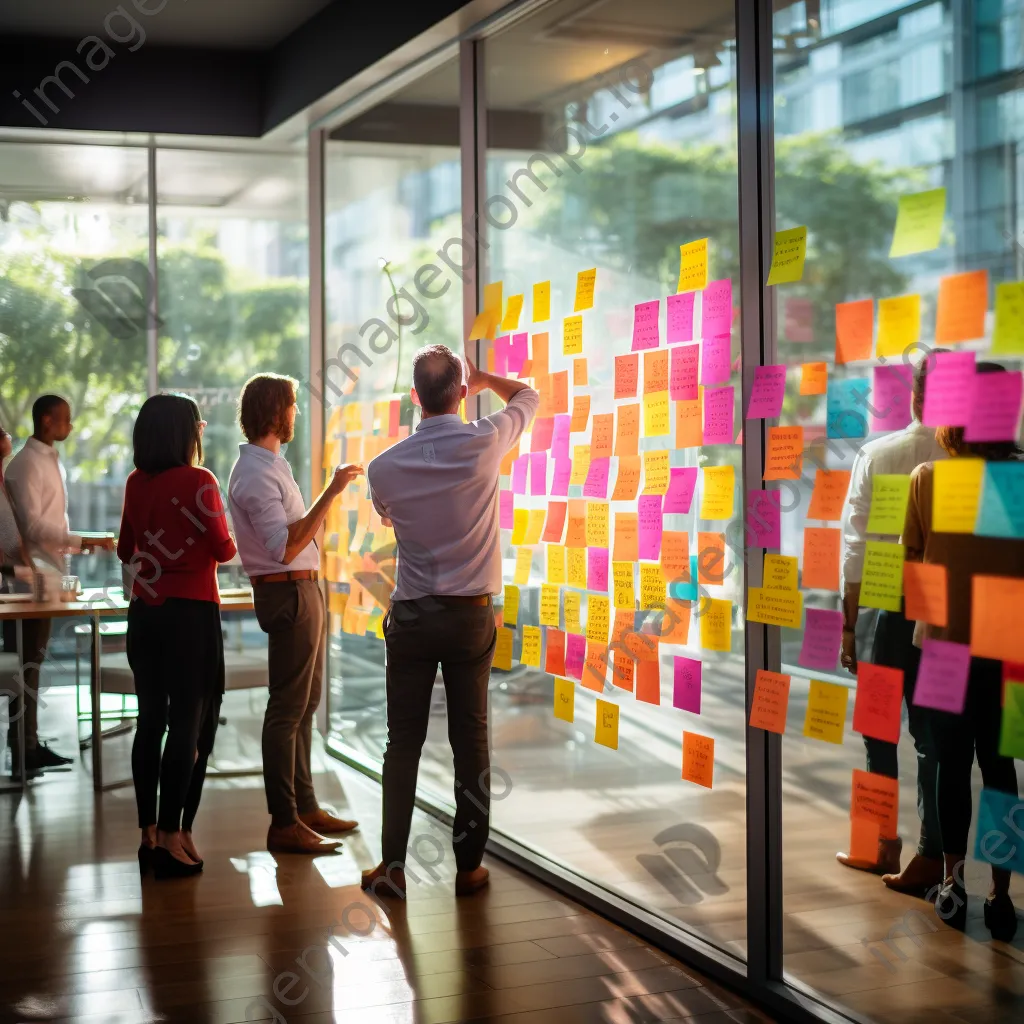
x: 176, y: 652
x: 958, y: 738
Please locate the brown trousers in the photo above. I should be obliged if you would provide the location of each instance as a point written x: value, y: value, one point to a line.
x: 293, y: 616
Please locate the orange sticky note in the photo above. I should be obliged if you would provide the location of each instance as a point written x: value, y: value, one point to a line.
x: 814, y: 378
x: 648, y: 681
x: 675, y: 555
x: 576, y: 536
x: 710, y: 558
x: 511, y: 455
x: 539, y: 353
x: 876, y: 707
x: 579, y: 372
x: 770, y: 702
x: 675, y: 623
x: 622, y: 670
x: 627, y: 370
x: 785, y: 456
x: 996, y: 602
x: 963, y: 299
x: 560, y: 392
x: 555, y: 522
x: 829, y: 494
x: 580, y: 414
x: 821, y: 558
x: 876, y: 797
x: 924, y: 593
x: 655, y: 371
x: 622, y: 625
x: 627, y: 430
x: 864, y: 840
x: 554, y: 655
x: 626, y: 537
x: 689, y: 427
x: 627, y: 483
x: 854, y: 330
x: 595, y: 666
x: 698, y: 759
x: 601, y: 438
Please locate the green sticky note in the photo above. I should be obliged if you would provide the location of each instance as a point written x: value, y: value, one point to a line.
x: 1008, y: 334
x: 889, y: 495
x: 882, y: 582
x: 919, y: 222
x: 788, y: 257
x: 1011, y: 735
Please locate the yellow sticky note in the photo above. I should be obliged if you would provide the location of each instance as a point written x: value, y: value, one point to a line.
x: 503, y: 649
x: 598, y: 618
x: 572, y: 335
x: 882, y: 580
x: 571, y: 612
x: 549, y: 605
x: 899, y: 324
x: 825, y: 718
x: 623, y: 595
x: 485, y: 325
x: 715, y: 624
x: 493, y: 297
x: 656, y: 472
x: 652, y: 586
x: 788, y: 257
x: 580, y: 464
x: 510, y: 611
x: 780, y: 572
x: 693, y: 266
x: 565, y: 699
x: 534, y: 525
x: 889, y: 495
x: 1008, y: 333
x: 919, y: 222
x: 656, y: 414
x: 556, y: 563
x: 530, y: 654
x: 520, y: 520
x: 775, y: 607
x: 585, y: 281
x: 956, y: 493
x: 576, y: 567
x: 606, y: 724
x: 718, y: 498
x: 524, y: 560
x: 597, y: 524
x: 512, y: 313
x: 541, y: 302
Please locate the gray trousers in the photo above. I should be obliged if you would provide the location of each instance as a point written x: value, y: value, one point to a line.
x: 293, y: 616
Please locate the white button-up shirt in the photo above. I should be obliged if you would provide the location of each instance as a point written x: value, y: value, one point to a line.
x: 899, y: 453
x: 37, y: 484
x: 264, y: 500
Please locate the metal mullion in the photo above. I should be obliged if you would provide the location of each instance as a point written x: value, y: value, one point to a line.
x: 153, y: 299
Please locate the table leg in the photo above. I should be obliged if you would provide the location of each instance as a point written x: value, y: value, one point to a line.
x: 95, y: 691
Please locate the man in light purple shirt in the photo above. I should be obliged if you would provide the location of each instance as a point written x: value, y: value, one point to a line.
x: 439, y: 490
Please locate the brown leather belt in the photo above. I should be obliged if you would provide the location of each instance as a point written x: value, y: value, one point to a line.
x: 475, y: 599
x: 285, y: 577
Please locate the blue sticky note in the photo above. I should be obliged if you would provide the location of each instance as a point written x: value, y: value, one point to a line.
x: 846, y: 407
x: 1001, y: 509
x: 685, y: 591
x: 1000, y: 836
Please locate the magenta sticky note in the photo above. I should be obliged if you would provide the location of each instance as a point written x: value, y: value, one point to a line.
x: 518, y: 352
x: 645, y: 325
x: 538, y: 473
x: 575, y: 653
x: 718, y: 415
x: 540, y: 433
x: 560, y: 477
x: 716, y: 309
x: 506, y: 510
x: 995, y: 407
x: 681, y: 483
x: 519, y: 468
x: 686, y: 684
x: 715, y: 356
x: 596, y: 484
x: 682, y: 381
x: 823, y: 634
x: 680, y: 317
x: 560, y: 436
x: 502, y: 350
x: 947, y: 389
x: 942, y: 676
x: 890, y: 397
x: 597, y: 569
x: 764, y: 519
x: 767, y: 393
x: 649, y: 526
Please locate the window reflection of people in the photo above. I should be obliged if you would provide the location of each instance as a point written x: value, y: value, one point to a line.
x: 897, y: 453
x: 975, y: 733
x: 439, y: 489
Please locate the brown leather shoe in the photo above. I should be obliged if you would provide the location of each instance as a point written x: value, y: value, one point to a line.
x: 324, y: 822
x: 919, y: 876
x: 888, y: 858
x: 298, y: 838
x: 469, y: 882
x: 381, y: 881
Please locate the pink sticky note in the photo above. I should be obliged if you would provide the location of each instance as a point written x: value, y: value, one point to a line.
x: 540, y: 434
x: 764, y: 519
x: 680, y: 317
x: 502, y: 350
x: 823, y: 633
x: 686, y: 684
x: 575, y: 652
x: 645, y: 325
x: 767, y: 393
x: 995, y: 407
x: 596, y: 484
x: 681, y: 482
x: 942, y: 676
x: 682, y: 381
x: 560, y: 478
x: 718, y: 415
x: 506, y: 515
x: 649, y: 525
x: 560, y: 437
x: 597, y: 569
x: 716, y: 305
x: 714, y: 359
x: 539, y: 473
x: 519, y: 468
x: 518, y: 352
x: 890, y: 397
x: 947, y: 389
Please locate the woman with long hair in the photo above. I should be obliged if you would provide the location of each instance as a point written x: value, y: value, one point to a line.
x: 173, y: 535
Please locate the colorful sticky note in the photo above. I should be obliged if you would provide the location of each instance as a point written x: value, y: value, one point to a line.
x: 493, y: 296
x: 585, y: 281
x: 650, y: 525
x: 596, y: 484
x: 1011, y: 732
x: 823, y: 634
x: 550, y: 605
x: 813, y: 378
x: 890, y: 493
x: 534, y: 525
x: 503, y: 649
x: 1008, y: 333
x: 576, y: 567
x: 623, y: 595
x: 825, y: 718
x: 675, y: 622
x: 718, y: 499
x: 627, y: 375
x: 560, y: 477
x: 718, y: 415
x: 627, y: 482
x: 538, y: 473
x: 530, y: 653
x: 571, y: 612
x: 693, y: 266
x: 710, y: 558
x: 556, y: 568
x: 918, y: 222
x: 597, y: 618
x: 715, y: 624
x: 995, y: 407
x: 924, y: 593
x: 645, y: 325
x: 575, y: 651
x: 580, y: 414
x: 963, y: 300
x: 572, y: 335
x: 891, y: 391
x: 764, y: 519
x: 510, y: 611
x: 506, y: 519
x: 876, y: 708
x: 627, y: 430
x: 947, y: 389
x: 698, y: 759
x: 995, y: 618
x: 519, y: 471
x: 942, y: 675
x: 520, y: 520
x: 854, y: 330
x: 716, y: 312
x: 679, y: 318
x: 675, y: 554
x: 788, y: 257
x: 846, y: 413
x: 681, y: 485
x: 715, y: 359
x: 955, y: 494
x: 656, y: 472
x: 829, y: 494
x: 899, y: 325
x: 784, y: 458
x: 689, y: 432
x: 655, y: 371
x: 652, y: 586
x: 565, y: 699
x: 995, y: 841
x: 606, y: 724
x: 625, y: 538
x: 579, y: 372
x: 597, y: 524
x: 595, y: 667
x: 882, y: 582
x: 602, y: 433
x: 768, y: 392
x: 656, y: 415
x: 770, y: 702
x: 683, y: 373
x: 774, y: 607
x: 1001, y: 511
x: 876, y: 798
x: 541, y: 301
x: 512, y: 313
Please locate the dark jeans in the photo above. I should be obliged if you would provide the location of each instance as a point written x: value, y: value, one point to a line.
x: 958, y: 738
x: 176, y: 653
x: 460, y: 637
x: 35, y: 635
x: 894, y: 648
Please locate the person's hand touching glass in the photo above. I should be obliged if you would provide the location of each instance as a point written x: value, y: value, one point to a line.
x: 476, y: 379
x: 343, y: 476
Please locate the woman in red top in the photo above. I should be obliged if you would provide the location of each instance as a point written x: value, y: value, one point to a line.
x: 173, y: 534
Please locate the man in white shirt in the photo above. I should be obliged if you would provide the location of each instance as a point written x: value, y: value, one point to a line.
x: 898, y: 453
x: 275, y: 535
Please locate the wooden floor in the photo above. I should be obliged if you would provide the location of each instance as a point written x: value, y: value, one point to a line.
x: 258, y: 937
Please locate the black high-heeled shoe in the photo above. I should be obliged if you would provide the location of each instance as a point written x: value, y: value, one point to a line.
x: 1001, y: 917
x: 951, y: 904
x: 165, y: 865
x: 145, y: 860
